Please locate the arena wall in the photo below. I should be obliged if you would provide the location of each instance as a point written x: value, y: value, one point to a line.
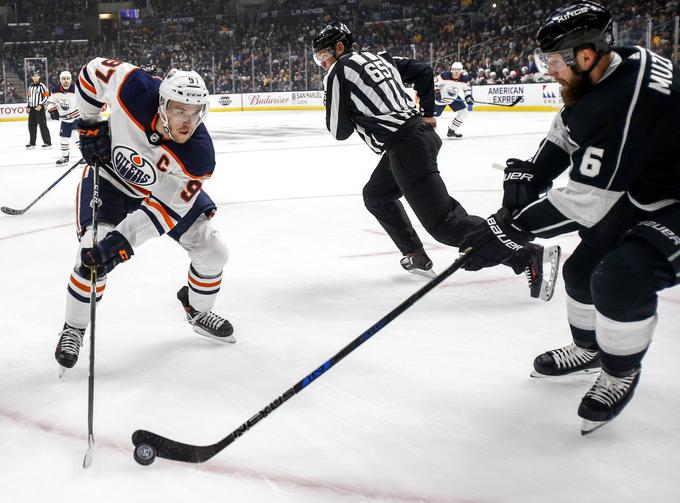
x: 533, y: 97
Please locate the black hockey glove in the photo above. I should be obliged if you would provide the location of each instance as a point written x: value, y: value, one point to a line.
x: 54, y: 114
x: 493, y: 241
x: 95, y: 142
x: 520, y: 185
x: 469, y: 100
x: 108, y: 253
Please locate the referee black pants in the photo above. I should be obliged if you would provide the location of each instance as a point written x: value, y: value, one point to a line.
x: 36, y: 118
x: 409, y: 169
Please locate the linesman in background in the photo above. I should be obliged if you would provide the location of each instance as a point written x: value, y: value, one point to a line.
x: 365, y: 92
x: 37, y: 94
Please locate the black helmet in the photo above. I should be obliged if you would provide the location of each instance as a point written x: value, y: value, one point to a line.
x: 332, y: 34
x: 576, y: 25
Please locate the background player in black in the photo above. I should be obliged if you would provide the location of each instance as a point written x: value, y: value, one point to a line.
x: 365, y: 93
x: 618, y: 135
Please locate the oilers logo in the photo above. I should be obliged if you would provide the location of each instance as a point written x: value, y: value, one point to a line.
x: 132, y: 167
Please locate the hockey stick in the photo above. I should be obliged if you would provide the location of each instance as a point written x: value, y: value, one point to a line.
x: 148, y: 445
x: 12, y: 211
x: 87, y: 460
x: 514, y: 102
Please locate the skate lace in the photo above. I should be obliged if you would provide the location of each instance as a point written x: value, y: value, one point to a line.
x: 609, y: 389
x: 572, y: 356
x: 209, y: 320
x: 70, y: 342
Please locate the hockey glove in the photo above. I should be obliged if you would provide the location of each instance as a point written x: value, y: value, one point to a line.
x: 95, y: 142
x: 493, y: 241
x: 54, y: 114
x: 469, y: 100
x: 520, y: 185
x: 108, y: 253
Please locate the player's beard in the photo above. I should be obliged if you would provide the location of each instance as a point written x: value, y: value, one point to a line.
x: 575, y: 88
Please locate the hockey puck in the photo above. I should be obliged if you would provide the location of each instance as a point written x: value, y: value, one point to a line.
x: 145, y: 454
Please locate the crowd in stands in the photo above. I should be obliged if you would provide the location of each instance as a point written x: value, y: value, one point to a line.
x: 268, y: 50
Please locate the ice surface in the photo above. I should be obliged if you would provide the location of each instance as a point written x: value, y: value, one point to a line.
x: 437, y: 407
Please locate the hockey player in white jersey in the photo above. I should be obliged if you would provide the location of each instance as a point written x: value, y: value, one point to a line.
x: 453, y: 89
x: 154, y: 154
x: 62, y: 107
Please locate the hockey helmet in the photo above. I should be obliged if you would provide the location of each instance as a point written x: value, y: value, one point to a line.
x: 457, y: 66
x: 327, y: 38
x: 572, y: 27
x: 185, y: 87
x: 65, y: 78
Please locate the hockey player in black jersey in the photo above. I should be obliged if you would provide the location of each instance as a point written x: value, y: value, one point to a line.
x: 365, y: 93
x: 617, y: 134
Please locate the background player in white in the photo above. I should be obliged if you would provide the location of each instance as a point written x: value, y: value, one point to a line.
x: 154, y: 154
x: 453, y: 89
x: 62, y: 106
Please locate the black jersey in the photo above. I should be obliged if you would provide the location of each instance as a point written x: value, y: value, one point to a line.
x: 365, y: 92
x: 620, y: 140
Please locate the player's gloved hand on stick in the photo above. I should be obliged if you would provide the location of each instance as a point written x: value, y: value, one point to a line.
x: 95, y: 142
x: 493, y: 241
x: 108, y: 253
x: 469, y: 100
x: 520, y: 184
x: 54, y: 114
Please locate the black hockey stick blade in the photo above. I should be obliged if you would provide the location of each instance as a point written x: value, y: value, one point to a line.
x: 12, y: 211
x: 516, y: 100
x: 150, y: 445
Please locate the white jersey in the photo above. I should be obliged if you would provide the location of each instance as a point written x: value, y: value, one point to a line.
x: 64, y: 100
x: 448, y: 89
x: 167, y: 175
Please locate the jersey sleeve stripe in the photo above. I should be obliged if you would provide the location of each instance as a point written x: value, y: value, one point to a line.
x: 86, y: 97
x: 633, y: 103
x: 87, y: 86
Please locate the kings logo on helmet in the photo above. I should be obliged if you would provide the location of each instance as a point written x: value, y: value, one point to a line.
x: 132, y: 167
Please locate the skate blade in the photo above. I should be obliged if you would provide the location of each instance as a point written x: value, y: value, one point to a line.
x: 62, y: 371
x: 588, y: 426
x: 551, y: 255
x: 227, y: 340
x: 422, y: 273
x: 537, y: 375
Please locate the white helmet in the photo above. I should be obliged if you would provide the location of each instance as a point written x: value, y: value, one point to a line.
x: 457, y: 66
x: 183, y: 87
x: 65, y: 75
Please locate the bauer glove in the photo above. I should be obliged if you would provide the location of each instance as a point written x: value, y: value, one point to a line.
x: 95, y: 142
x: 108, y: 253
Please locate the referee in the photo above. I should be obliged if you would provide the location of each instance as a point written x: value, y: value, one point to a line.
x: 37, y: 98
x: 365, y: 92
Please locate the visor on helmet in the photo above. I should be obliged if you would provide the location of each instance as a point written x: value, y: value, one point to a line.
x: 552, y: 62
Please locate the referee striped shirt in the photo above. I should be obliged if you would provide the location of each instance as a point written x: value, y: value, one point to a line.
x: 365, y: 93
x: 37, y: 94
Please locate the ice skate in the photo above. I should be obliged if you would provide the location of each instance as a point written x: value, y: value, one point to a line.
x: 606, y: 399
x: 46, y: 145
x: 418, y: 263
x: 30, y: 146
x: 542, y: 270
x: 63, y: 160
x: 571, y: 359
x: 453, y: 134
x: 206, y: 323
x: 68, y: 347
